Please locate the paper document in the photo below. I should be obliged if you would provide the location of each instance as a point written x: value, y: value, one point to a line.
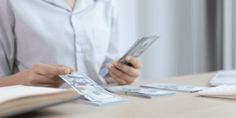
x: 223, y: 91
x: 224, y: 78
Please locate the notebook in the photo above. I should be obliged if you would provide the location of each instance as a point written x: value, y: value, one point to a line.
x: 21, y: 99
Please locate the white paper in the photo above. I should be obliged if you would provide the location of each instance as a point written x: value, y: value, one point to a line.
x: 220, y: 91
x: 224, y: 78
x: 14, y: 92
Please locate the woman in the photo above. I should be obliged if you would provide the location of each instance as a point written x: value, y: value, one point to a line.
x: 41, y: 39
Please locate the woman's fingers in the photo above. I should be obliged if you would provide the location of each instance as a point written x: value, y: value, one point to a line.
x: 120, y: 71
x: 134, y: 62
x: 47, y: 85
x: 114, y: 76
x: 47, y: 75
x: 127, y: 69
x: 116, y: 79
x: 121, y: 75
x: 46, y: 69
x: 41, y: 79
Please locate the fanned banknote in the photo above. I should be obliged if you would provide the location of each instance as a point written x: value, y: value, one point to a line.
x: 136, y: 50
x: 90, y: 90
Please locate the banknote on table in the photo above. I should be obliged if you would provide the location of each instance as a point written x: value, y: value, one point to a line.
x: 174, y: 87
x: 90, y: 90
x: 138, y: 91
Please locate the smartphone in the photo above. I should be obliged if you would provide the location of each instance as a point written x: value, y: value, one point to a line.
x: 136, y: 50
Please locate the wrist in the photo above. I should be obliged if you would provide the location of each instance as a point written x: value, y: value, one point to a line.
x: 16, y: 79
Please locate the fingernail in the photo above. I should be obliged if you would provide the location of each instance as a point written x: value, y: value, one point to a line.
x: 71, y: 70
x: 123, y: 82
x: 128, y: 58
x: 108, y: 65
x: 67, y: 71
x: 114, y: 63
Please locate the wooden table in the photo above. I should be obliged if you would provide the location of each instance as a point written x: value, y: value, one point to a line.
x: 181, y: 105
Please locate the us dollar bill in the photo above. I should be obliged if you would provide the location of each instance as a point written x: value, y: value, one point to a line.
x: 138, y: 91
x: 90, y: 90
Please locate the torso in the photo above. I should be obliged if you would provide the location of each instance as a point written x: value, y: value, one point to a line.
x: 48, y: 32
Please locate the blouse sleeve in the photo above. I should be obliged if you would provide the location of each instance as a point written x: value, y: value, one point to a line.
x: 114, y: 51
x: 7, y: 39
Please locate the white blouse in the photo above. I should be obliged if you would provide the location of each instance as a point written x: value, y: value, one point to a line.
x: 49, y: 32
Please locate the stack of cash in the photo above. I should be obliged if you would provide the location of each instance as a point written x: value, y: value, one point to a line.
x: 90, y: 90
x: 135, y: 50
x: 138, y: 91
x: 174, y: 87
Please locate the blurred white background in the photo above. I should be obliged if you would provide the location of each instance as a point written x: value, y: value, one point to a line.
x: 196, y: 35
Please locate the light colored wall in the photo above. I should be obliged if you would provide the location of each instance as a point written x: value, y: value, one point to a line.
x: 172, y: 20
x: 128, y: 22
x: 181, y: 24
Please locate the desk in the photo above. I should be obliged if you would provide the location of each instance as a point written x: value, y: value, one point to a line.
x: 182, y: 105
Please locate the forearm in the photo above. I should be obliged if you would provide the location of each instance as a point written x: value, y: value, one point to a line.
x: 16, y: 79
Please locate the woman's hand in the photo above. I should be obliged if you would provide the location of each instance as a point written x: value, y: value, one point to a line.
x: 124, y: 74
x: 46, y: 75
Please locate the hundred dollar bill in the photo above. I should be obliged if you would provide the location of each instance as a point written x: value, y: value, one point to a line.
x: 138, y: 91
x: 90, y: 90
x: 174, y: 87
x: 136, y: 50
